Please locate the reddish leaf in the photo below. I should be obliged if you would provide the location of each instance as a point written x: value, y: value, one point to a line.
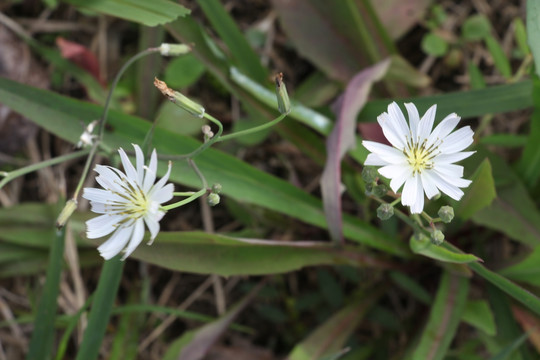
x: 399, y: 16
x: 373, y: 132
x: 81, y: 56
x: 341, y: 140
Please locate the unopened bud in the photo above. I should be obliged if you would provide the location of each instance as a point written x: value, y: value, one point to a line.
x: 284, y: 104
x: 369, y: 174
x: 437, y: 237
x: 213, y: 199
x: 64, y: 216
x: 178, y: 99
x: 446, y: 213
x: 369, y: 187
x: 174, y: 49
x: 216, y: 188
x: 380, y: 190
x: 385, y: 211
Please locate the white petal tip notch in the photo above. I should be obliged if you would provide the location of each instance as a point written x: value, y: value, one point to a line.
x: 421, y: 158
x: 129, y: 200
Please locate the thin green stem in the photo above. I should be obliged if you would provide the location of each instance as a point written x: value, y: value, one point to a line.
x: 253, y: 129
x: 30, y: 168
x: 195, y: 196
x: 209, y: 143
x: 185, y: 193
x: 195, y: 168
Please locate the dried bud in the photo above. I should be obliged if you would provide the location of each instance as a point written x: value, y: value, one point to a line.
x: 174, y: 49
x: 213, y: 199
x: 64, y: 216
x: 437, y: 237
x: 284, y: 104
x: 178, y: 99
x: 385, y: 211
x: 446, y: 213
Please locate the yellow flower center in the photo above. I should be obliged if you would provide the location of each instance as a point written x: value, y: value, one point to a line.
x: 419, y: 157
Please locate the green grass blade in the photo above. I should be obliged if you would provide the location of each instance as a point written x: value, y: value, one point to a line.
x: 444, y: 318
x: 240, y: 50
x: 42, y: 339
x: 149, y: 13
x: 533, y: 31
x: 98, y: 319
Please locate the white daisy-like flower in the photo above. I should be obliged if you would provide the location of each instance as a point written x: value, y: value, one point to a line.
x: 420, y: 158
x: 127, y: 202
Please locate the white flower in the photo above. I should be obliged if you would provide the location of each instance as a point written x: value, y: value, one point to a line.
x: 421, y: 159
x: 127, y: 201
x: 86, y: 138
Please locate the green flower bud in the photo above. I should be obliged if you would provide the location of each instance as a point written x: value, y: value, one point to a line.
x: 370, y: 187
x: 284, y: 104
x: 380, y: 190
x: 213, y: 199
x: 385, y: 211
x: 446, y: 213
x: 64, y: 216
x: 180, y: 100
x: 437, y: 237
x: 216, y: 188
x: 174, y: 49
x: 369, y: 174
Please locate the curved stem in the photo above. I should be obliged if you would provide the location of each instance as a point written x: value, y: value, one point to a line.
x: 253, y: 129
x: 195, y: 196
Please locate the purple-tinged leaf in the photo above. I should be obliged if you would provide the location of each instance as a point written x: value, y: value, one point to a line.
x: 399, y: 16
x: 341, y: 140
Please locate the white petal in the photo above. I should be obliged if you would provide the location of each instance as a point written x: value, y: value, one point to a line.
x: 449, y: 189
x: 398, y: 120
x: 116, y: 243
x: 153, y: 226
x: 150, y: 175
x: 452, y: 158
x: 387, y: 153
x: 374, y: 160
x: 426, y: 124
x: 164, y: 194
x: 446, y: 126
x: 430, y: 188
x: 108, y: 178
x: 390, y: 131
x: 457, y: 141
x: 139, y: 160
x: 128, y: 167
x: 136, y: 238
x: 102, y: 225
x: 399, y: 179
x: 102, y: 196
x: 160, y: 183
x: 414, y: 119
x: 449, y: 170
x: 413, y: 195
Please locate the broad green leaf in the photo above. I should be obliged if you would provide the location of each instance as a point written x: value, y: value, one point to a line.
x: 240, y: 50
x: 156, y: 12
x: 425, y: 247
x: 506, y: 140
x: 443, y: 319
x: 330, y: 337
x: 479, y: 194
x: 527, y: 270
x: 183, y: 71
x: 512, y: 212
x: 476, y: 27
x: 62, y: 116
x: 529, y: 163
x: 533, y: 31
x: 478, y: 314
x: 203, y: 253
x: 491, y: 100
x: 433, y: 44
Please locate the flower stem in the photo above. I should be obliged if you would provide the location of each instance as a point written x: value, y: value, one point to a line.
x: 8, y: 176
x: 253, y: 129
x: 185, y: 193
x: 195, y: 196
